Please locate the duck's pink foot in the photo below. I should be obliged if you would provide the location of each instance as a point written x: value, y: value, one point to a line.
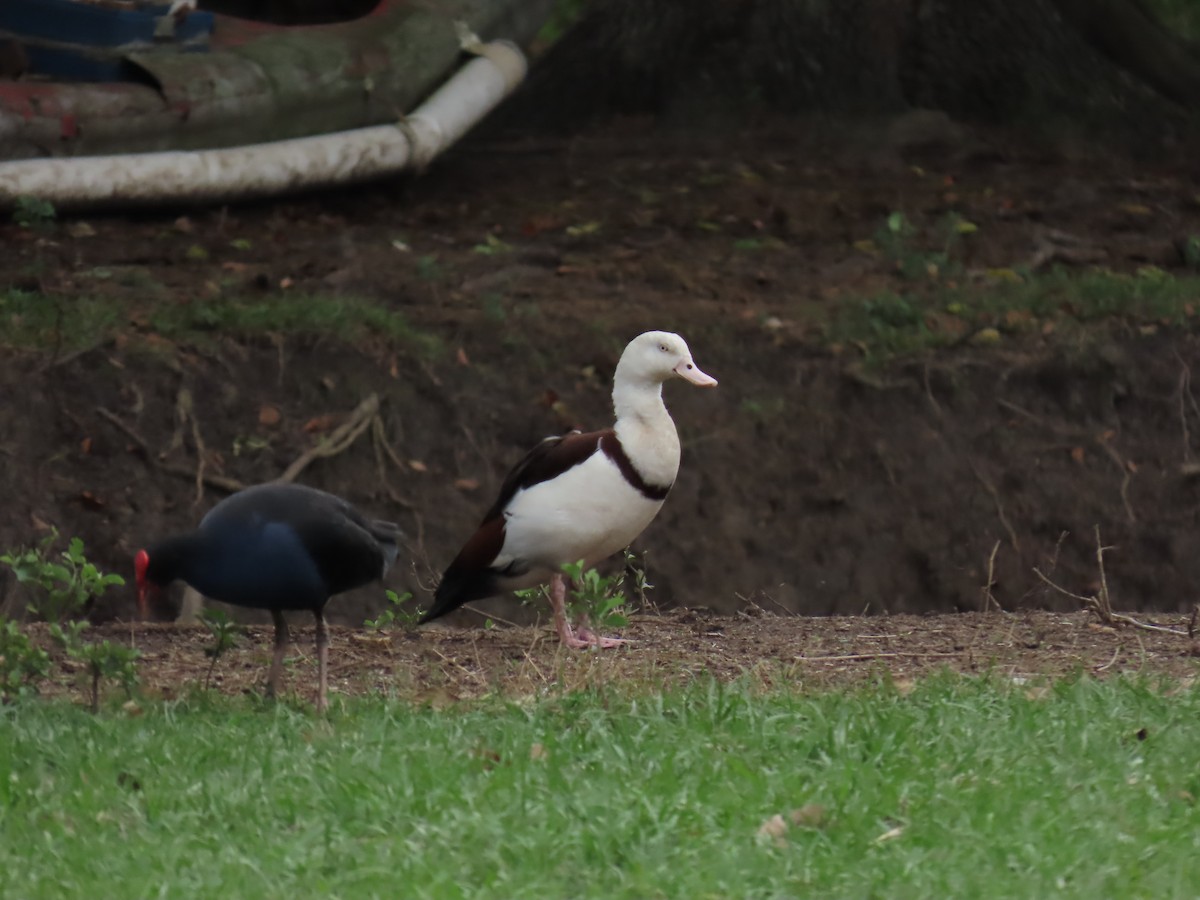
x: 584, y: 637
x: 591, y: 639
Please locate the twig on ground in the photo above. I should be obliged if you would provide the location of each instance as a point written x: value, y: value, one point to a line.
x: 989, y: 598
x: 787, y: 612
x: 1101, y: 603
x: 454, y: 662
x: 1108, y: 665
x: 484, y: 615
x: 855, y: 657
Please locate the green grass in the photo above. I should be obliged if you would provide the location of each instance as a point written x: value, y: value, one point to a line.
x: 1087, y: 790
x: 34, y: 321
x: 1180, y: 16
x: 931, y: 315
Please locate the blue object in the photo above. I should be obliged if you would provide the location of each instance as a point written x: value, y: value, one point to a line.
x: 89, y: 42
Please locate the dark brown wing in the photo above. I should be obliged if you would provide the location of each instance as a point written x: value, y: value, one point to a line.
x: 545, y: 462
x: 472, y: 576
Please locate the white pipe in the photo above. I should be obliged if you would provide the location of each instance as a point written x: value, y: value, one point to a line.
x: 279, y: 166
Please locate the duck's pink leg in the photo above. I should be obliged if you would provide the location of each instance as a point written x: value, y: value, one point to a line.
x: 604, y: 643
x: 585, y: 637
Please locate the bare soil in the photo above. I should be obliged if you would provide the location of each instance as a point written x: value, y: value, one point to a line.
x: 441, y: 665
x: 814, y: 481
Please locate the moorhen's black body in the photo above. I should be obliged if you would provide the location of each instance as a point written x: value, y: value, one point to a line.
x: 277, y: 547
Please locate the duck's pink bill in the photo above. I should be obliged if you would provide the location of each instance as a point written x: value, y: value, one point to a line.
x: 690, y: 372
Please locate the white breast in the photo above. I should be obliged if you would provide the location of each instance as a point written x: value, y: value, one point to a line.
x: 589, y: 512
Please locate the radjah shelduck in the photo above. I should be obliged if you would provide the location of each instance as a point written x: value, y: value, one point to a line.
x: 581, y: 496
x: 276, y: 547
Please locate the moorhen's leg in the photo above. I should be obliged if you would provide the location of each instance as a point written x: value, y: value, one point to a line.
x: 281, y: 645
x: 322, y: 661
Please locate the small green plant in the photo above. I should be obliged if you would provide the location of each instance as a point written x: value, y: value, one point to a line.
x: 102, y: 659
x: 492, y: 246
x: 564, y: 14
x: 22, y: 664
x: 635, y: 569
x: 598, y: 597
x: 428, y: 268
x: 33, y: 212
x: 396, y: 613
x: 601, y: 598
x: 1191, y: 251
x: 896, y: 240
x: 225, y: 633
x: 60, y: 588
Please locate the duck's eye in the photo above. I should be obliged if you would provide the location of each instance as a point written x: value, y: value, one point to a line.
x: 663, y: 348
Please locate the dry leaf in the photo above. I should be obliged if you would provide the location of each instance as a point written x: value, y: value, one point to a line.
x: 466, y: 484
x: 85, y: 446
x: 774, y: 827
x: 537, y: 751
x: 461, y: 356
x: 269, y: 415
x: 81, y: 230
x: 986, y: 336
x: 90, y: 500
x: 184, y: 225
x: 810, y: 815
x: 417, y: 466
x: 1077, y: 454
x: 285, y: 283
x: 890, y: 835
x: 320, y: 423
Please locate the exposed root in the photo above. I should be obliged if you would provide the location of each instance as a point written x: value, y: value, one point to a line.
x: 383, y: 453
x: 995, y: 495
x: 1185, y: 393
x: 1082, y: 434
x: 339, y: 440
x: 220, y: 482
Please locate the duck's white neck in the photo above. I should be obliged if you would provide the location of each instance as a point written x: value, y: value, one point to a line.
x: 638, y: 401
x: 646, y: 429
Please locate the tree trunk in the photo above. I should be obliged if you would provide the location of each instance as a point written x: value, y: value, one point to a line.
x: 1104, y: 62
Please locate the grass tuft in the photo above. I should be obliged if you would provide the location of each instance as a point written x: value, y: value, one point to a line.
x: 35, y: 321
x: 1009, y: 302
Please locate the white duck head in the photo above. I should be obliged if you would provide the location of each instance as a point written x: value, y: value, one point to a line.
x: 648, y: 361
x: 657, y: 356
